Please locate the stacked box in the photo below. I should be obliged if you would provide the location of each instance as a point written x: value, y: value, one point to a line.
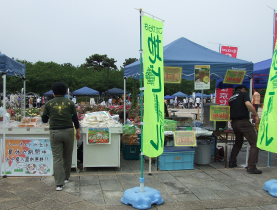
x: 131, y: 152
x: 176, y: 158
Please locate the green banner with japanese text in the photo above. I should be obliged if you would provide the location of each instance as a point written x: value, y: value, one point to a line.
x: 267, y: 135
x: 153, y: 117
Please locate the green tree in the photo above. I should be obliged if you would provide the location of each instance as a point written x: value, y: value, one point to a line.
x: 99, y: 62
x: 129, y: 61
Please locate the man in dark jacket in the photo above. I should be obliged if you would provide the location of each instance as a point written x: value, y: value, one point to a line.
x: 240, y: 105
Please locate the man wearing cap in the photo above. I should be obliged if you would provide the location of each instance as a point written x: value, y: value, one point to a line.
x: 240, y: 105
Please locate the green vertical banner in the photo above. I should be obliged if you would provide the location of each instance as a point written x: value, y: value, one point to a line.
x: 267, y: 135
x: 153, y: 117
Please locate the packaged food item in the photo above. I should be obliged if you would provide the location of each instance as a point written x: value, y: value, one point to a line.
x: 22, y: 125
x: 29, y: 125
x: 26, y: 119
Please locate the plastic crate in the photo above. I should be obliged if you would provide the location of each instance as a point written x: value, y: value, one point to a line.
x: 176, y: 158
x: 131, y: 152
x: 170, y: 125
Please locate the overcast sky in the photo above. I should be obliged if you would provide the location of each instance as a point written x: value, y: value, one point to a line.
x: 68, y: 31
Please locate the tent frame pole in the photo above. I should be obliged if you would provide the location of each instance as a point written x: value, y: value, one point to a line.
x: 124, y: 100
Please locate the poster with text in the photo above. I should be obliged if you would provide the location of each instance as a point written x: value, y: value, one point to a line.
x: 28, y: 157
x: 202, y: 77
x: 172, y: 74
x: 234, y: 77
x: 223, y: 95
x: 184, y: 138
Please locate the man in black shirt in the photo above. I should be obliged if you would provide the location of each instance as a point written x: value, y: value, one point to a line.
x: 240, y: 105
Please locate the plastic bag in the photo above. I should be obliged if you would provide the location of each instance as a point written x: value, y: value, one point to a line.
x: 129, y: 129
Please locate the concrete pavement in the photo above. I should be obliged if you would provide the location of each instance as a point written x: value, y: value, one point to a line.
x: 206, y: 187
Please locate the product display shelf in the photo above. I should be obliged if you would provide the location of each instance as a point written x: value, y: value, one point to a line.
x: 36, y: 132
x: 102, y: 155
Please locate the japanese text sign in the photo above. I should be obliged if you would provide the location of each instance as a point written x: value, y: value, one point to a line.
x: 202, y: 77
x: 153, y: 128
x: 230, y: 51
x: 28, y: 157
x: 184, y: 138
x: 267, y: 135
x: 219, y: 113
x: 172, y: 74
x: 234, y: 77
x: 98, y: 136
x: 223, y: 95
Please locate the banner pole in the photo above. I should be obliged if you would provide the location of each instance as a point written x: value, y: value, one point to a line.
x: 274, y: 13
x: 141, y: 105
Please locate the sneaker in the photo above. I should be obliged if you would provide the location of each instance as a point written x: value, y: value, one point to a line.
x: 66, y: 181
x: 59, y: 188
x: 254, y: 171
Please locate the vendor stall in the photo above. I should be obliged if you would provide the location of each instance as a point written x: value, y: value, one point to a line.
x: 101, y: 140
x: 28, y: 151
x: 101, y: 147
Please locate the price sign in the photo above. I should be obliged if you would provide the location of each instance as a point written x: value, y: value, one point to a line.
x: 98, y: 136
x: 172, y: 74
x: 219, y: 113
x: 234, y: 77
x: 184, y: 138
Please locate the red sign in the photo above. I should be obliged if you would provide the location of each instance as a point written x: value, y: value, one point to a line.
x: 230, y: 51
x: 223, y: 95
x: 275, y: 32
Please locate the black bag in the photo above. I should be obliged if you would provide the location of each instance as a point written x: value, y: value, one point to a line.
x: 80, y: 153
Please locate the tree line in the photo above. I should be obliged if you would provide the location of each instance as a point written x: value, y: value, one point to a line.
x: 94, y: 73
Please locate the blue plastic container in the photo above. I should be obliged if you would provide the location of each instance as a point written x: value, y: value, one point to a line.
x: 176, y: 158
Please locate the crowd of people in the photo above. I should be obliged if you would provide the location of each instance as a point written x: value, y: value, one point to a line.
x: 186, y: 103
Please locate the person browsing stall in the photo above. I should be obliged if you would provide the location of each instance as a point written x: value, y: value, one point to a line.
x: 121, y: 119
x: 61, y: 112
x: 240, y: 106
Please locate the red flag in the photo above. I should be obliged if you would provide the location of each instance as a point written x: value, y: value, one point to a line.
x: 230, y: 51
x: 223, y: 95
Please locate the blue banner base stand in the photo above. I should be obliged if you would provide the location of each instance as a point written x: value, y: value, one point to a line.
x: 142, y: 200
x: 271, y: 187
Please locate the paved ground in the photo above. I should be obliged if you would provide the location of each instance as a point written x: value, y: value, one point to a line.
x: 206, y: 187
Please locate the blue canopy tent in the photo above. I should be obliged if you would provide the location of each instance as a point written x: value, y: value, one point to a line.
x: 180, y: 94
x: 186, y: 54
x: 9, y: 67
x: 85, y: 91
x: 167, y: 97
x: 49, y: 93
x: 115, y: 91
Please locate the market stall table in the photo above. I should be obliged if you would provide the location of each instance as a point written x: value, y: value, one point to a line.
x: 101, y: 151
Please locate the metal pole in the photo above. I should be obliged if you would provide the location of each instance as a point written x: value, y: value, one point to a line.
x: 202, y: 106
x: 24, y: 96
x: 250, y: 96
x: 273, y: 31
x: 124, y: 100
x: 141, y: 104
x: 4, y: 122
